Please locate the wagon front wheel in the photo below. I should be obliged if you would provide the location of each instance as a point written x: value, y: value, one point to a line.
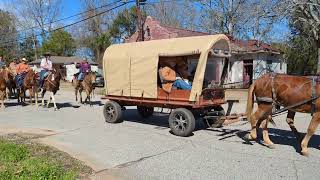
x: 112, y: 112
x: 144, y: 111
x: 182, y: 122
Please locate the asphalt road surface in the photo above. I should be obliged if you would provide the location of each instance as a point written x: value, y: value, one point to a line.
x: 145, y: 149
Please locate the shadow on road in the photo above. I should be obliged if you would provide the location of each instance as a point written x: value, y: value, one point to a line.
x: 278, y: 136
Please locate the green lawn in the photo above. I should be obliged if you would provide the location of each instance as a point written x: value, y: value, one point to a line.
x: 22, y: 159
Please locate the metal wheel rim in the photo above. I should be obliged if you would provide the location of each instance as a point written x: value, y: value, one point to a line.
x: 180, y: 122
x: 110, y: 112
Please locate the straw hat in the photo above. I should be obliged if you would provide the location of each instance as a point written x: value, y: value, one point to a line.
x: 24, y: 60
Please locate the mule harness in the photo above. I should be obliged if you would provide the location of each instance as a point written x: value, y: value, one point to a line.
x: 276, y: 106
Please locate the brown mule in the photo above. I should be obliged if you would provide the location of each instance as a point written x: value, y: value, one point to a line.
x: 4, y: 80
x: 51, y: 84
x: 29, y: 84
x: 287, y: 91
x: 88, y: 84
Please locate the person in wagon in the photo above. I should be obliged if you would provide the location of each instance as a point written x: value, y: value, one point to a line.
x: 169, y: 78
x: 84, y: 68
x: 22, y: 70
x: 45, y: 68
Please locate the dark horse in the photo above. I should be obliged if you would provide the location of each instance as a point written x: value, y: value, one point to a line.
x: 51, y: 84
x: 29, y: 83
x: 88, y: 84
x: 286, y: 91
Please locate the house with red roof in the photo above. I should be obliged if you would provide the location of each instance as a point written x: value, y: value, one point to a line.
x: 249, y: 59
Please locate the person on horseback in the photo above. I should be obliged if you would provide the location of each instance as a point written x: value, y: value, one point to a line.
x: 21, y: 70
x: 46, y: 67
x: 84, y: 67
x: 13, y: 66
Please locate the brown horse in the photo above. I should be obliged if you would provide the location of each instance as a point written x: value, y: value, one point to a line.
x: 286, y: 91
x: 88, y: 84
x: 4, y: 80
x: 51, y: 84
x: 29, y: 84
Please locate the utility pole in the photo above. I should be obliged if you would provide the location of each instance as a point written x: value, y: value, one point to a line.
x: 140, y: 21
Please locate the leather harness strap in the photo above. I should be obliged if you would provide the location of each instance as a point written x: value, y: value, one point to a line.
x: 274, y: 95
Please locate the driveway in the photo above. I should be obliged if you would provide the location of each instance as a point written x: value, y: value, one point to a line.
x: 145, y: 149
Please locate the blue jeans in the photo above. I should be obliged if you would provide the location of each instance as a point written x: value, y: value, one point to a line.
x: 181, y: 84
x: 80, y: 76
x: 19, y: 79
x: 43, y: 75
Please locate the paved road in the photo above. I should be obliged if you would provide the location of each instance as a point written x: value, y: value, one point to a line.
x: 144, y: 149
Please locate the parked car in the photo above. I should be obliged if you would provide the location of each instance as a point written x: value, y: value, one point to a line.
x: 99, y: 80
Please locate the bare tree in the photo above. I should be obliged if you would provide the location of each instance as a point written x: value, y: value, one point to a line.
x: 305, y: 16
x: 92, y: 33
x: 37, y: 13
x: 242, y: 18
x: 173, y: 13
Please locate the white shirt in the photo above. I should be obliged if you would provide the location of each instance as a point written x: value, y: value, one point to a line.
x: 46, y: 64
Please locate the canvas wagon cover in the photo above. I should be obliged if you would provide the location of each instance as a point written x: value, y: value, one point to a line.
x: 131, y: 69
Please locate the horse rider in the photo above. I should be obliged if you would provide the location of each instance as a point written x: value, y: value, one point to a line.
x: 46, y: 67
x: 84, y: 67
x: 13, y: 66
x: 2, y: 63
x: 22, y: 70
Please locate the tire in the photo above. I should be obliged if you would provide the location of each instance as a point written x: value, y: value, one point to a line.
x: 144, y: 111
x: 112, y: 112
x: 182, y: 122
x: 215, y: 121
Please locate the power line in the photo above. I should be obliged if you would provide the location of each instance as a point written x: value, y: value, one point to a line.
x: 72, y: 16
x: 74, y: 23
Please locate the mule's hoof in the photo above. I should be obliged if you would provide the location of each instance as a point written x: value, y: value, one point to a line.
x: 305, y: 153
x: 271, y: 146
x: 248, y: 137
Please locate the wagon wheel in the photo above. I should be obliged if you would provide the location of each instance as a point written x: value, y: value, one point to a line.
x: 182, y: 122
x: 144, y: 111
x: 112, y: 112
x: 214, y: 117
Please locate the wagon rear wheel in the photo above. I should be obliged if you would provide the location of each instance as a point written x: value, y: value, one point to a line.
x: 182, y: 122
x: 112, y: 112
x: 144, y: 111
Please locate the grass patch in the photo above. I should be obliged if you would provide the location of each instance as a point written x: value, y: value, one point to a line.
x: 21, y: 158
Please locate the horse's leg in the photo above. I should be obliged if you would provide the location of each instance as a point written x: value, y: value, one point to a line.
x: 49, y: 100
x: 42, y: 96
x: 290, y: 121
x: 2, y: 99
x: 80, y: 94
x: 76, y: 93
x: 259, y: 115
x: 31, y: 96
x: 311, y: 129
x: 265, y: 134
x: 35, y: 93
x: 54, y: 101
x: 88, y: 96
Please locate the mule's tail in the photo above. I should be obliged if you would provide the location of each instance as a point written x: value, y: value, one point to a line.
x: 250, y: 102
